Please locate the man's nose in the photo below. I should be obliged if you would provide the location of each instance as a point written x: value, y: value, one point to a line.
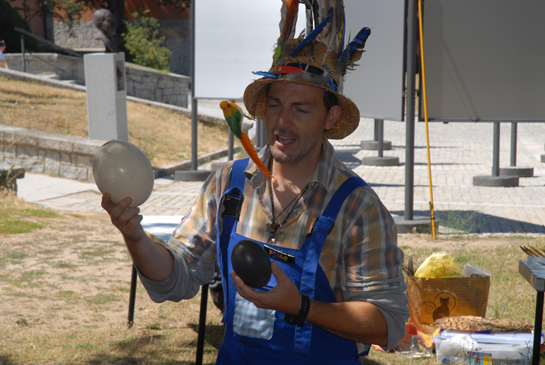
x: 285, y: 117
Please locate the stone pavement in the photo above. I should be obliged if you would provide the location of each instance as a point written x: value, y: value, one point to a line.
x: 459, y: 151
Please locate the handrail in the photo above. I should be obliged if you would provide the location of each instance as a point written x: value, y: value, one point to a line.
x: 69, y: 51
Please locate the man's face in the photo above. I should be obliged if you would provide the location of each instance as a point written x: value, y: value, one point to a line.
x: 295, y: 119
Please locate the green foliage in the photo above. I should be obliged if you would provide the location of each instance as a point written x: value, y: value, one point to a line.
x: 143, y: 43
x: 10, y: 18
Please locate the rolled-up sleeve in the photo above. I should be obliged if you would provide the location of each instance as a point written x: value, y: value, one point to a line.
x: 193, y: 246
x: 373, y: 267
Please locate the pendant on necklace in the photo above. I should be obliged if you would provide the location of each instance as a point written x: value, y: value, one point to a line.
x: 274, y: 227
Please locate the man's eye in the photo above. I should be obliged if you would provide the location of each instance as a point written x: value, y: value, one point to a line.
x: 302, y: 111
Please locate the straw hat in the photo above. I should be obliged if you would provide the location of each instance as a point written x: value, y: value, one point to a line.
x: 317, y: 60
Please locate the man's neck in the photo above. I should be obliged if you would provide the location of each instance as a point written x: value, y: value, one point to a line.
x: 295, y: 175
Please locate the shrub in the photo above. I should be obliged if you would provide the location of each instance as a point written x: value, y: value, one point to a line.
x: 143, y: 43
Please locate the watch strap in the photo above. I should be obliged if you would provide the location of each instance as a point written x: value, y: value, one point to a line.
x: 301, y: 317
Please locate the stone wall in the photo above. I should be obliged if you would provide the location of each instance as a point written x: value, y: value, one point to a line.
x: 48, y: 153
x: 81, y: 36
x: 176, y: 33
x: 66, y: 67
x: 142, y: 82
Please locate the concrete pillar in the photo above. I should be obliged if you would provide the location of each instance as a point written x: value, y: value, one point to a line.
x: 106, y: 96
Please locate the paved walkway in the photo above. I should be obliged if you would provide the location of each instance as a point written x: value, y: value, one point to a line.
x: 459, y: 151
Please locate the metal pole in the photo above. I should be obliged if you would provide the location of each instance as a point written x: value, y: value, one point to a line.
x: 231, y: 149
x: 380, y: 129
x: 194, y: 101
x: 23, y: 52
x: 409, y: 119
x: 496, y: 150
x: 202, y: 324
x: 132, y: 296
x: 537, y: 328
x: 514, y: 143
x: 259, y: 142
x: 263, y: 133
x: 231, y: 143
x: 375, y: 137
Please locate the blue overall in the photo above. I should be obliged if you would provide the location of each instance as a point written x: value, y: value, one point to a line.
x: 271, y: 340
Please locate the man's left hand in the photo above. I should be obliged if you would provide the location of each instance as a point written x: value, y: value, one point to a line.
x: 284, y: 297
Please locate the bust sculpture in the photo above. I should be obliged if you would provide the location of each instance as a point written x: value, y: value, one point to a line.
x: 105, y: 22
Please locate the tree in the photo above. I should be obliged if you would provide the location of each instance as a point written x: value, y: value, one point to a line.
x: 9, y: 19
x: 70, y: 11
x: 143, y: 43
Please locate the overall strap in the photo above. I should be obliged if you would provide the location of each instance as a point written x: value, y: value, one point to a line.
x: 313, y: 247
x: 227, y: 218
x: 237, y: 174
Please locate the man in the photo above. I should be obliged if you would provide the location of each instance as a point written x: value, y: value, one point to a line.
x: 336, y: 267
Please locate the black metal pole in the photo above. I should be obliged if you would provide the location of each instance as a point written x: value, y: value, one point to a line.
x: 380, y: 127
x: 202, y: 324
x: 514, y: 143
x: 132, y: 296
x: 194, y: 102
x: 409, y: 119
x: 496, y: 150
x: 537, y: 328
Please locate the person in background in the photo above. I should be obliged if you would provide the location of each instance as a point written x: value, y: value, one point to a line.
x: 3, y: 62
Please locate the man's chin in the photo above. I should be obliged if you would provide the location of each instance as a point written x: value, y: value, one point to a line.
x: 283, y: 158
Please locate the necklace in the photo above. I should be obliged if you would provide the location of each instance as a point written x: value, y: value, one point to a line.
x: 274, y: 225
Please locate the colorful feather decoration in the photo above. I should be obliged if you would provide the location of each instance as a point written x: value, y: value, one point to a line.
x: 313, y: 34
x: 288, y: 20
x: 354, y: 50
x: 233, y: 115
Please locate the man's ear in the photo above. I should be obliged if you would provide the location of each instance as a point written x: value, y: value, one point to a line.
x: 332, y: 116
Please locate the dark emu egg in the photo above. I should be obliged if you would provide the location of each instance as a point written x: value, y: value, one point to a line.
x: 251, y: 263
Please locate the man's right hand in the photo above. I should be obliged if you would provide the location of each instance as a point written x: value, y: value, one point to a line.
x: 127, y: 220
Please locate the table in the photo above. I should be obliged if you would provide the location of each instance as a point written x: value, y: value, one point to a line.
x: 535, y: 275
x: 159, y: 229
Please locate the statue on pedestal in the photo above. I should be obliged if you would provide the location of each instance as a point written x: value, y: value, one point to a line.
x: 105, y: 22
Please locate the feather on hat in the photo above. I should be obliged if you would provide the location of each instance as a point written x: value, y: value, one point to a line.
x: 316, y: 58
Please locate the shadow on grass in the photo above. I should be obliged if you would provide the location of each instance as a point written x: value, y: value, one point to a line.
x: 456, y: 222
x: 6, y: 360
x: 368, y: 361
x: 213, y: 335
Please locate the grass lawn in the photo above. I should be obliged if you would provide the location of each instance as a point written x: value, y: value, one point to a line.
x: 163, y: 135
x: 64, y: 289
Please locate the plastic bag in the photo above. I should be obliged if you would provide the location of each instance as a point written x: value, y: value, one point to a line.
x: 439, y: 265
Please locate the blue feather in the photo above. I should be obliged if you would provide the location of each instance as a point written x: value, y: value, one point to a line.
x: 267, y: 74
x: 313, y: 34
x: 357, y: 43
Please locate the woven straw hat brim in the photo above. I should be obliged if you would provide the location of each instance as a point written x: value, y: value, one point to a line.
x: 254, y: 100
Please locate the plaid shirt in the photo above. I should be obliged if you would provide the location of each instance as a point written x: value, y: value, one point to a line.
x: 360, y: 253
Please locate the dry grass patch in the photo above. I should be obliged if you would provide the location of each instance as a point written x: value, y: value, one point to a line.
x: 165, y: 136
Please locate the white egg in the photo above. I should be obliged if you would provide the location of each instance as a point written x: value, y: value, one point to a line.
x: 121, y: 169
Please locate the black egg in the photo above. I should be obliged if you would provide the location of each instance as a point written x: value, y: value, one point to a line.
x: 251, y: 263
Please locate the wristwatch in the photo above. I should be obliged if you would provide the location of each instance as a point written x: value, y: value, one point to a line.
x: 300, y: 318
